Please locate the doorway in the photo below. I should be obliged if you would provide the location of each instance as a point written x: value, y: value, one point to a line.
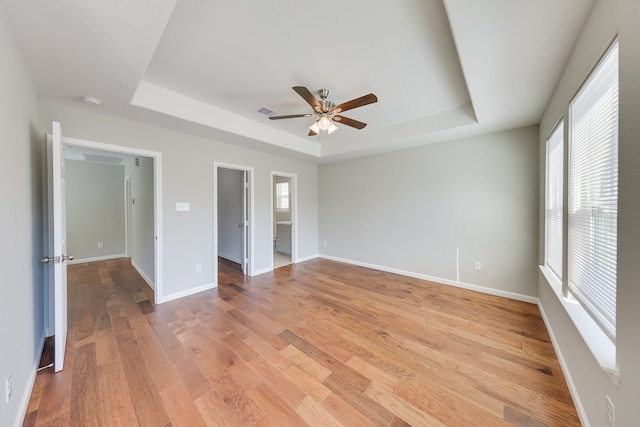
x: 233, y: 216
x: 56, y: 235
x: 146, y: 169
x: 283, y: 218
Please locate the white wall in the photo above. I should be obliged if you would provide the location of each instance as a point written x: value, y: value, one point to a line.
x: 95, y: 209
x: 410, y: 210
x: 230, y: 196
x: 187, y: 166
x: 21, y: 227
x: 608, y: 18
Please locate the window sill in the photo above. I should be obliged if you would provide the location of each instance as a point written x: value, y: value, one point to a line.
x: 599, y: 344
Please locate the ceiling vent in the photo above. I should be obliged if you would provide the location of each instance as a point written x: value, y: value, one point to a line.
x: 267, y: 111
x: 96, y: 158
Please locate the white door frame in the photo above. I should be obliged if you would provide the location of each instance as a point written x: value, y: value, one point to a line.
x: 249, y: 170
x: 293, y: 201
x: 244, y: 235
x: 157, y: 198
x: 127, y: 215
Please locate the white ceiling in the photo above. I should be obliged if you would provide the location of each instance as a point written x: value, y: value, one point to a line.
x: 441, y: 69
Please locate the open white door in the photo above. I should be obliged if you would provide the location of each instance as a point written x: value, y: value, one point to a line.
x: 245, y: 222
x: 57, y: 241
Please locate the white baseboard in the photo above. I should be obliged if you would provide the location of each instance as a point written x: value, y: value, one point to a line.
x: 188, y: 292
x: 261, y: 271
x: 143, y: 275
x: 94, y: 259
x: 565, y: 369
x: 483, y: 289
x: 230, y: 258
x: 307, y: 258
x: 24, y: 401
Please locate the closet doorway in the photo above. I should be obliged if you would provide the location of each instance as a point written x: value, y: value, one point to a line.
x: 283, y: 218
x: 233, y: 216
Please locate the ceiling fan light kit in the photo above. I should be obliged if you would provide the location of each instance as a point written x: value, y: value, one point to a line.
x: 324, y: 122
x: 327, y: 111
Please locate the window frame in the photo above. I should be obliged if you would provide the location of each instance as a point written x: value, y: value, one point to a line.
x: 583, y: 267
x: 280, y: 197
x: 597, y: 341
x: 549, y: 258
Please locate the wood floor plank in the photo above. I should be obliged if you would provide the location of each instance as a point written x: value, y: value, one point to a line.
x: 117, y: 408
x: 316, y: 415
x: 364, y: 404
x: 148, y: 405
x: 237, y: 400
x: 214, y: 410
x: 274, y: 406
x: 344, y: 412
x: 314, y: 343
x: 86, y: 403
x: 307, y: 383
x: 288, y: 390
x: 306, y: 363
x: 401, y: 408
x: 180, y: 407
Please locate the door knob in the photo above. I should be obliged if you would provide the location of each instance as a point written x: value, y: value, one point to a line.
x: 57, y: 259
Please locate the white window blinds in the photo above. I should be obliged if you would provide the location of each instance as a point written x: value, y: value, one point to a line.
x: 554, y: 203
x: 593, y: 193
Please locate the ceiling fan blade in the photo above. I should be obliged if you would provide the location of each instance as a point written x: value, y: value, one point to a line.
x: 290, y: 116
x: 308, y: 96
x: 349, y: 122
x: 355, y: 103
x: 312, y: 133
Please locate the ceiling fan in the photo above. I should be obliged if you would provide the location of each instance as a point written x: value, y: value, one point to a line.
x: 327, y: 111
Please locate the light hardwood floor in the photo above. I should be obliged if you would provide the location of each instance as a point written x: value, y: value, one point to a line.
x: 318, y: 343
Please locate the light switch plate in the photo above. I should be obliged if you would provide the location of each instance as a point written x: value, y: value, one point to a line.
x: 182, y: 207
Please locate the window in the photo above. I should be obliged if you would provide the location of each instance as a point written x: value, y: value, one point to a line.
x: 282, y: 196
x: 554, y: 203
x: 593, y: 193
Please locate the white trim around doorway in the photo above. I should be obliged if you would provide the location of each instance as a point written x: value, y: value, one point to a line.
x: 159, y: 296
x: 294, y: 212
x: 250, y: 171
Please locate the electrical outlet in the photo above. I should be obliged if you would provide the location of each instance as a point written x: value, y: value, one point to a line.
x: 100, y: 245
x: 325, y: 243
x: 7, y: 389
x: 611, y: 413
x: 198, y: 267
x: 477, y: 266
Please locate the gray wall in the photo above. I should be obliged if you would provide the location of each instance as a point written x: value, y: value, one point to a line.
x: 142, y: 218
x: 608, y: 18
x: 95, y: 209
x: 410, y: 210
x: 187, y: 176
x: 21, y: 273
x: 230, y: 195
